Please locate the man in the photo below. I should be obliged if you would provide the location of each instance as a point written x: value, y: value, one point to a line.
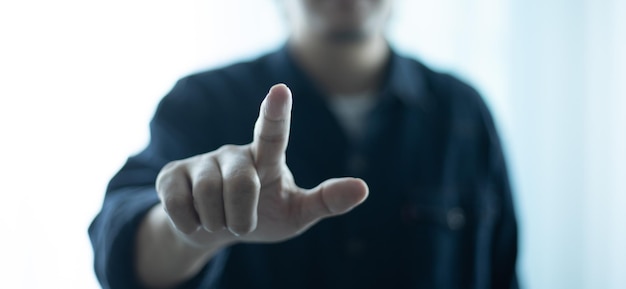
x: 212, y: 202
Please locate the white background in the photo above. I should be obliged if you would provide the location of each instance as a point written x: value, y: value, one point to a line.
x: 79, y: 81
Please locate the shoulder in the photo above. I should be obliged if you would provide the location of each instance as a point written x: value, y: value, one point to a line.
x: 455, y: 102
x: 449, y: 94
x: 446, y: 88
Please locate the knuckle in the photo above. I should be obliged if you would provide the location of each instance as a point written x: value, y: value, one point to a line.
x: 171, y: 165
x: 273, y: 138
x: 168, y: 176
x: 204, y: 157
x: 244, y: 184
x: 175, y: 205
x: 207, y: 184
x: 228, y: 148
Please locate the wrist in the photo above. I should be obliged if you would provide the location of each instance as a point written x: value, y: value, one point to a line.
x: 165, y: 257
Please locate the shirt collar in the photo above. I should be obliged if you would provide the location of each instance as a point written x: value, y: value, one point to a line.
x: 405, y: 79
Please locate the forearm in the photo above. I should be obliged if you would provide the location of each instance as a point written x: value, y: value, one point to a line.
x: 163, y: 259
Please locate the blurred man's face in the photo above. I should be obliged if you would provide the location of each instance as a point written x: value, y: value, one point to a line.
x: 339, y: 20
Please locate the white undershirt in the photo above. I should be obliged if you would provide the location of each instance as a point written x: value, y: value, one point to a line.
x: 352, y: 111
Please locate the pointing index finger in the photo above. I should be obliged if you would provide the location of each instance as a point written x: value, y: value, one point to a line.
x: 271, y: 131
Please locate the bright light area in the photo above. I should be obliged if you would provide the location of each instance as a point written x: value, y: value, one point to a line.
x: 79, y: 81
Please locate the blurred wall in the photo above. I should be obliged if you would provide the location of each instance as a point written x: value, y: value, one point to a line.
x: 79, y: 81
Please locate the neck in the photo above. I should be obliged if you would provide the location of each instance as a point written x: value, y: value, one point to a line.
x: 343, y: 68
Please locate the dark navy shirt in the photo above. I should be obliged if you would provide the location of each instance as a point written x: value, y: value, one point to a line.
x: 439, y: 213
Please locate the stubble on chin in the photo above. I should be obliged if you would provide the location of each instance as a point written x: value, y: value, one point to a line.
x: 347, y: 36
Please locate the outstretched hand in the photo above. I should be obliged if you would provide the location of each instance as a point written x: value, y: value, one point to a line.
x: 247, y: 193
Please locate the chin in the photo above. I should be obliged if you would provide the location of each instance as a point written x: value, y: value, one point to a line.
x: 353, y: 35
x: 349, y: 21
x: 342, y: 21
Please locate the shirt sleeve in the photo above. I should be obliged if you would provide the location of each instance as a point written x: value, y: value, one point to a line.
x: 504, y: 254
x: 179, y: 129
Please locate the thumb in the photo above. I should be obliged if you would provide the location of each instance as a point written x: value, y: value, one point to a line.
x: 332, y: 197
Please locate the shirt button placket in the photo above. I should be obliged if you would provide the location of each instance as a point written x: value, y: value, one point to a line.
x: 355, y: 248
x: 455, y: 219
x: 357, y: 164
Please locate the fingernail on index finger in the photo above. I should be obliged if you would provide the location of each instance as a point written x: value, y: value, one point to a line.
x: 278, y: 101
